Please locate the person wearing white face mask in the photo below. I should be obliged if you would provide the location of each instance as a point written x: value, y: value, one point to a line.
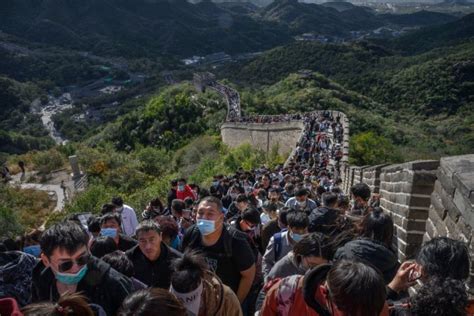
x: 226, y: 250
x: 127, y: 214
x: 200, y: 290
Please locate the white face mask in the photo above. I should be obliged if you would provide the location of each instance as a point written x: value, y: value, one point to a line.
x: 191, y: 300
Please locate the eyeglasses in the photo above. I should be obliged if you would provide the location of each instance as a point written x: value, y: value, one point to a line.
x: 68, y: 264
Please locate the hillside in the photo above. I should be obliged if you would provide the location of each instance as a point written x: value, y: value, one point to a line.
x: 445, y: 35
x: 139, y: 28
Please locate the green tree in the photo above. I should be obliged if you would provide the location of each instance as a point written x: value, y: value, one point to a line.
x: 370, y: 149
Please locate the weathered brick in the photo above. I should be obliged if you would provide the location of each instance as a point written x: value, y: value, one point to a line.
x: 437, y: 205
x: 424, y: 178
x: 418, y: 201
x: 412, y: 225
x: 445, y: 180
x: 417, y: 214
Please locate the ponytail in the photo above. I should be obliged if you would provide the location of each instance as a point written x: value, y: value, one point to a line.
x: 68, y: 305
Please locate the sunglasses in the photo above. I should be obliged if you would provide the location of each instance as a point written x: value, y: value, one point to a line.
x: 68, y: 264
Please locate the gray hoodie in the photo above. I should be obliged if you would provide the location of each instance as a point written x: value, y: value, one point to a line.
x: 285, y: 267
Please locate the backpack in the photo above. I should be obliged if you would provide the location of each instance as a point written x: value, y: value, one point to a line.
x: 286, y: 294
x: 277, y: 244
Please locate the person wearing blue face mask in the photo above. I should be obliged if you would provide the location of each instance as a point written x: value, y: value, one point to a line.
x: 110, y: 226
x: 282, y: 243
x: 67, y: 266
x: 226, y: 250
x: 30, y: 242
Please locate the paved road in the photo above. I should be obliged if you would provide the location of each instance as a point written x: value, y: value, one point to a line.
x: 49, y: 188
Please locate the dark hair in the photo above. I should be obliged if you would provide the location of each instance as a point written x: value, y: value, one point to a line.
x: 120, y: 262
x: 213, y: 200
x: 343, y: 201
x: 103, y: 245
x: 188, y: 272
x: 178, y: 205
x: 314, y: 244
x: 301, y: 192
x: 182, y: 180
x: 107, y: 208
x: 117, y: 200
x: 110, y: 217
x: 336, y: 190
x: 146, y: 226
x: 283, y: 214
x: 31, y: 238
x: 377, y: 225
x: 242, y: 198
x: 168, y: 226
x: 67, y: 235
x: 9, y: 244
x: 273, y: 190
x: 156, y: 202
x: 320, y: 190
x: 251, y: 215
x: 188, y: 202
x: 270, y: 207
x: 151, y: 302
x: 329, y: 198
x: 444, y: 257
x: 361, y: 190
x: 297, y: 219
x: 73, y: 304
x: 174, y: 182
x: 353, y: 287
x: 93, y: 224
x: 440, y: 297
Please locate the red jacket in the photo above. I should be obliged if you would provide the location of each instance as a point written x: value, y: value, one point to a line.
x: 188, y: 192
x: 297, y: 303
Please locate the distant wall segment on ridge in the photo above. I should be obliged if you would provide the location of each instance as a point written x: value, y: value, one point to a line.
x: 285, y: 135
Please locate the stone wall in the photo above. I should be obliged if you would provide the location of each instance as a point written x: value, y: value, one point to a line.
x: 424, y: 198
x: 452, y: 203
x: 405, y: 191
x: 371, y: 176
x: 285, y: 135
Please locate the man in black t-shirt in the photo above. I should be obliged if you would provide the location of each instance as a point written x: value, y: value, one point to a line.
x: 226, y: 250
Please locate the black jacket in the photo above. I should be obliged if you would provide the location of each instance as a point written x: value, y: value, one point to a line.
x: 102, y: 285
x: 125, y: 243
x: 16, y: 275
x: 154, y: 273
x: 323, y: 220
x: 373, y: 252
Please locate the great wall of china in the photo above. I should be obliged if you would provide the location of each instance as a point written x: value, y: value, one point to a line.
x: 426, y: 198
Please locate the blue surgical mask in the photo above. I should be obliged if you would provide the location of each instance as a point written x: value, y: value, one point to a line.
x: 206, y: 227
x: 71, y: 278
x: 180, y: 187
x: 215, y: 183
x: 109, y: 232
x: 34, y: 250
x: 296, y: 237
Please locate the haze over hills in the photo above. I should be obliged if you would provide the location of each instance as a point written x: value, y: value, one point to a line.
x: 148, y: 28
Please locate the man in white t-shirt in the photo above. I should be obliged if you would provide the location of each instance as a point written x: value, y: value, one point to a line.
x: 128, y: 215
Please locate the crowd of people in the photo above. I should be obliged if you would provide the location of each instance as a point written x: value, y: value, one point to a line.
x: 286, y: 241
x: 233, y: 99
